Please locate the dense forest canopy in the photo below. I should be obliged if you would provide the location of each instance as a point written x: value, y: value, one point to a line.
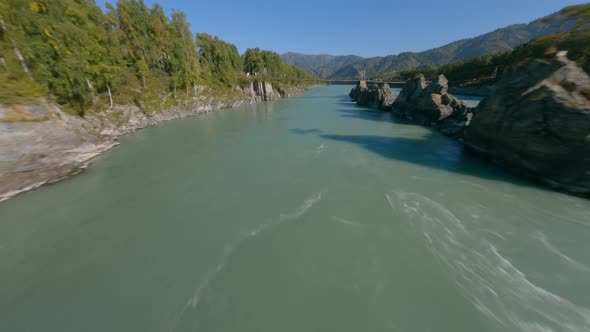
x: 87, y: 58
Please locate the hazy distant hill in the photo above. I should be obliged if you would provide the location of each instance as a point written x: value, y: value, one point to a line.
x: 504, y: 39
x: 322, y: 65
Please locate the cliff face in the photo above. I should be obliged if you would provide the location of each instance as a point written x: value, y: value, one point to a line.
x: 537, y: 122
x: 263, y: 91
x: 41, y: 144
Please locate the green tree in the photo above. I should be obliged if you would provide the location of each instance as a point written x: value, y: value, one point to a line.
x: 86, y: 58
x: 220, y: 60
x: 253, y: 62
x: 183, y: 64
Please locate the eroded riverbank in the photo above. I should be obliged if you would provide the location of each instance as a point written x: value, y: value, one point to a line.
x: 40, y: 144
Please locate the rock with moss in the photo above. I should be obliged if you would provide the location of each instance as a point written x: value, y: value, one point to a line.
x: 538, y: 123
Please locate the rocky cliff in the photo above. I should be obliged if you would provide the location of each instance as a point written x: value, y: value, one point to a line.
x: 263, y: 91
x: 427, y: 104
x: 41, y: 144
x: 377, y: 96
x: 537, y: 122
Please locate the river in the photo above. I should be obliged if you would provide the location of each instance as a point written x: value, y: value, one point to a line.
x: 305, y: 214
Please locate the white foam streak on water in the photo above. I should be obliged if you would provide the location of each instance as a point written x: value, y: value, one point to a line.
x: 194, y: 300
x: 320, y: 149
x: 565, y: 258
x: 303, y: 208
x: 497, y: 288
x: 492, y: 232
x: 347, y: 222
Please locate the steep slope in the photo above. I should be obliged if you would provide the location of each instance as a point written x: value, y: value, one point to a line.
x: 500, y: 40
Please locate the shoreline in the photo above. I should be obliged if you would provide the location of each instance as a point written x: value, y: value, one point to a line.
x: 71, y: 160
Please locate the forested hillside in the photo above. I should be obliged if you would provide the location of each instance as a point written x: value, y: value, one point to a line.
x: 489, y: 68
x: 86, y: 58
x: 500, y: 40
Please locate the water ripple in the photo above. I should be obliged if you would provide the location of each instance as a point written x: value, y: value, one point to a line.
x: 347, y: 222
x: 490, y: 281
x: 541, y: 237
x: 229, y: 250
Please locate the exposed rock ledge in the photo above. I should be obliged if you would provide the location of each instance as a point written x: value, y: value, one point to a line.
x: 537, y: 123
x: 40, y: 144
x: 425, y: 104
x: 379, y: 97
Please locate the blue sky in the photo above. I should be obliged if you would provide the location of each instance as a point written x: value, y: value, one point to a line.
x: 365, y: 28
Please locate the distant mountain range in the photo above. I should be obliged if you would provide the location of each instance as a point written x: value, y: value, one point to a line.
x: 504, y: 39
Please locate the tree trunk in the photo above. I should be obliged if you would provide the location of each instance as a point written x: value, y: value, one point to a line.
x: 3, y: 62
x: 91, y: 88
x: 19, y: 56
x: 110, y: 95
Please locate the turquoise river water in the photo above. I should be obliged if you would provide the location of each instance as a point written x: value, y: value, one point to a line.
x: 306, y: 214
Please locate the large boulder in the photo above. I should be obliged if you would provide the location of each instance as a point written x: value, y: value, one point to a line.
x: 427, y: 104
x: 360, y: 88
x: 411, y: 91
x: 537, y: 122
x: 454, y: 125
x: 377, y: 96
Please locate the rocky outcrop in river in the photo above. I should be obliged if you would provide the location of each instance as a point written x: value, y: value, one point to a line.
x: 537, y: 123
x: 430, y: 104
x: 40, y: 144
x: 377, y: 96
x: 360, y: 88
x: 427, y: 104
